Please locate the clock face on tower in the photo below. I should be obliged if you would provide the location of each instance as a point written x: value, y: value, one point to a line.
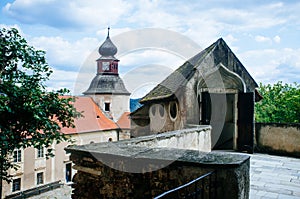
x: 105, y: 66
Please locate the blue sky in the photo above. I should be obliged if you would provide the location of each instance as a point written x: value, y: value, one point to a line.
x: 265, y: 35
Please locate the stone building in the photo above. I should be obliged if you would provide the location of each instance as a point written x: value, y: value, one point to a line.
x: 107, y: 88
x: 214, y: 88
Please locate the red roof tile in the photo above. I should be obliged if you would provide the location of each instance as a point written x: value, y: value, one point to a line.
x: 124, y: 121
x: 93, y: 118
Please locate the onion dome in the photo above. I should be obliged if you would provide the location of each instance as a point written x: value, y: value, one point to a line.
x: 108, y: 49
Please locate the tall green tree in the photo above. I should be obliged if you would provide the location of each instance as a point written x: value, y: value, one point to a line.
x: 280, y: 103
x: 30, y: 116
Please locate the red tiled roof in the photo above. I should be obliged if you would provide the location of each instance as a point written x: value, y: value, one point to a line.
x: 93, y: 118
x: 124, y: 121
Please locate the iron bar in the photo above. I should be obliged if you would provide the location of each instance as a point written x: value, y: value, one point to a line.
x: 188, y: 191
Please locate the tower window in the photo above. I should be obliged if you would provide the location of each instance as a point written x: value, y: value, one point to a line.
x: 107, y: 106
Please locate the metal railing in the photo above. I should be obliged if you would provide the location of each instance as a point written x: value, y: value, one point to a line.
x: 203, y: 187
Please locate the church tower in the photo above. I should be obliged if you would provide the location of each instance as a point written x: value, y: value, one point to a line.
x: 107, y: 88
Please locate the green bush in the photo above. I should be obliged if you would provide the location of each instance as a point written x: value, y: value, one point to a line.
x: 280, y: 103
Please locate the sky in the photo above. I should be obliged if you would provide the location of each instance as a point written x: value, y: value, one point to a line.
x: 154, y: 37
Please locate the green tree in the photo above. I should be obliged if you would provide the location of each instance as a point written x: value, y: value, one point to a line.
x: 29, y: 114
x: 280, y: 103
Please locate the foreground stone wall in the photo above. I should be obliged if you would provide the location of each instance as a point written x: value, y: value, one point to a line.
x: 120, y: 170
x: 194, y: 138
x: 278, y: 138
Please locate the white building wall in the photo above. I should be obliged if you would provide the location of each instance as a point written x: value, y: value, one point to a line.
x: 54, y: 169
x: 118, y: 104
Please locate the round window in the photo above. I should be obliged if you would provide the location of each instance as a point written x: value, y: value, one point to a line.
x: 173, y: 110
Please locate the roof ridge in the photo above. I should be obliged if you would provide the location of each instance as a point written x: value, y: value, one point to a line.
x: 207, y: 50
x: 204, y: 61
x: 183, y: 72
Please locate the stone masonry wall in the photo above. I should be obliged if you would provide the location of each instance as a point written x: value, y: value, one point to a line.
x: 278, y: 138
x: 114, y: 170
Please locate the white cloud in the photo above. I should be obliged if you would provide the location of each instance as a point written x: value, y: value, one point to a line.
x: 277, y: 39
x: 61, y: 79
x: 154, y: 13
x: 150, y: 75
x: 260, y: 38
x: 272, y: 65
x: 203, y: 22
x: 62, y: 53
x: 145, y: 57
x: 63, y: 14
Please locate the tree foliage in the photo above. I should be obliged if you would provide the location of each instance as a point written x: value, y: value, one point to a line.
x: 29, y: 114
x: 280, y: 103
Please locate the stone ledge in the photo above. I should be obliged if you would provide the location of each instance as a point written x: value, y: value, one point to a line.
x: 116, y: 150
x: 148, y: 172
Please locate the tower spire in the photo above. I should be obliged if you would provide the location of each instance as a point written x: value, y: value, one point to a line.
x: 108, y: 28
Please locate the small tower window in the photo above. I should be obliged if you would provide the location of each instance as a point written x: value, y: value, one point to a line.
x: 107, y: 106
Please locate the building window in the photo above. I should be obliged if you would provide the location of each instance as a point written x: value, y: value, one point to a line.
x: 68, y: 172
x: 16, y: 184
x: 153, y: 110
x: 157, y: 109
x: 107, y: 106
x: 161, y: 109
x: 173, y: 109
x: 40, y: 152
x: 40, y: 178
x: 17, y: 155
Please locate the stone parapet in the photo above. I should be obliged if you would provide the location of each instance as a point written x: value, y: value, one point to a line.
x: 125, y: 170
x: 196, y: 138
